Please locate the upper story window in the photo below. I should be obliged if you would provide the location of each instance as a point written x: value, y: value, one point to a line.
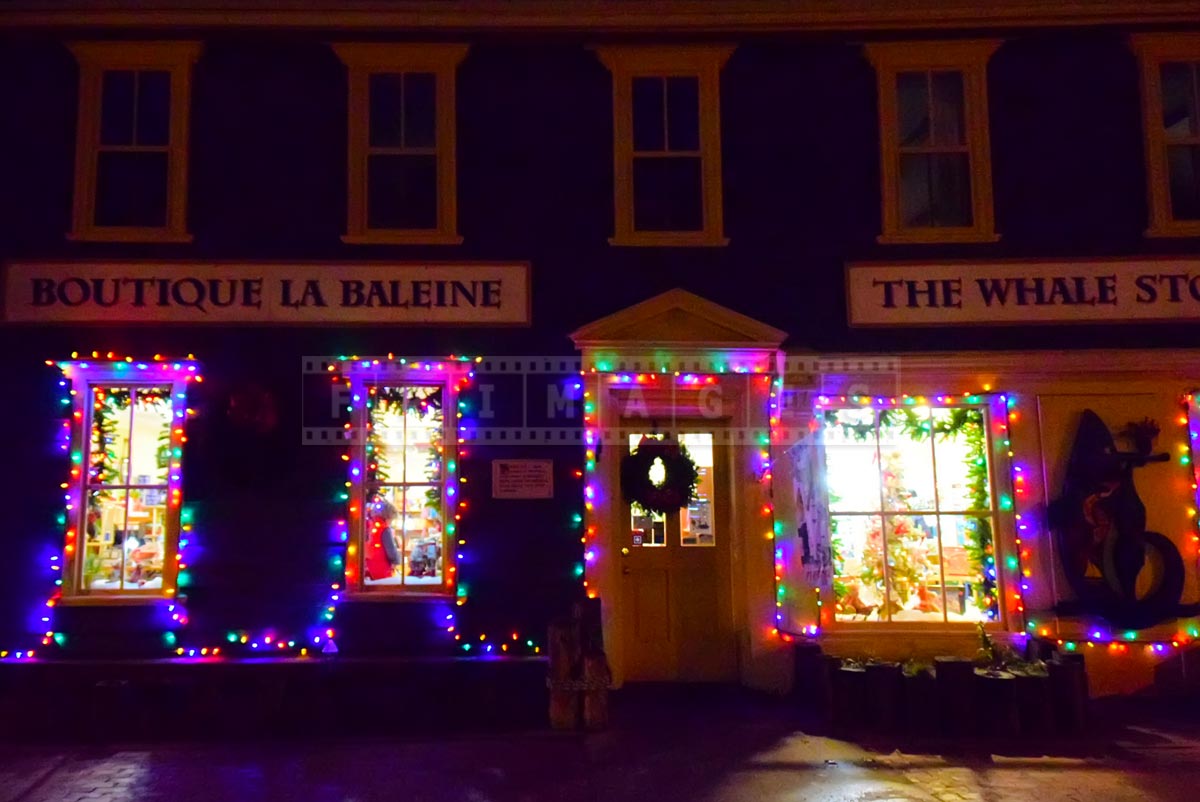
x: 131, y: 154
x: 912, y: 514
x: 125, y: 494
x: 667, y: 144
x: 401, y: 168
x: 1171, y: 119
x: 934, y: 150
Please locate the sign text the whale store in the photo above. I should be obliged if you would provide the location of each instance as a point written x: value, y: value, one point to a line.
x: 1024, y: 292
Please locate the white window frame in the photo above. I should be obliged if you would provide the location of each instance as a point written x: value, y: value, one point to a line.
x: 1153, y: 49
x: 703, y: 62
x: 362, y: 61
x: 360, y: 378
x: 82, y: 384
x: 970, y: 59
x: 96, y: 58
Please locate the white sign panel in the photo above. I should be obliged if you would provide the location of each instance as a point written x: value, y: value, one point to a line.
x: 522, y: 478
x: 277, y: 294
x: 1025, y: 292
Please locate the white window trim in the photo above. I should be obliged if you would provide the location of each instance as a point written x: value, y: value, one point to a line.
x: 362, y: 60
x: 999, y: 463
x: 1152, y: 50
x: 73, y: 589
x: 94, y: 59
x: 970, y: 58
x: 703, y: 62
x: 389, y: 374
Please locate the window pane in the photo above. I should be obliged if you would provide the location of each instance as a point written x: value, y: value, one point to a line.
x: 697, y: 523
x: 648, y: 134
x: 683, y: 114
x: 402, y: 192
x: 970, y: 568
x: 150, y: 456
x: 851, y: 466
x: 951, y: 189
x: 116, y: 107
x: 131, y: 189
x: 857, y: 548
x: 143, y: 543
x: 916, y: 204
x: 1179, y: 100
x: 386, y: 116
x: 914, y: 568
x: 153, y: 108
x: 912, y: 98
x: 667, y: 194
x: 948, y: 108
x: 1183, y: 163
x: 104, y: 546
x: 935, y: 189
x: 383, y: 544
x: 421, y: 534
x: 962, y: 460
x: 419, y: 109
x: 906, y: 455
x: 648, y: 528
x: 405, y: 444
x: 109, y: 449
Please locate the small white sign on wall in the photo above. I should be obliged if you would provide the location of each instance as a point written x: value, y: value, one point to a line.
x: 522, y: 478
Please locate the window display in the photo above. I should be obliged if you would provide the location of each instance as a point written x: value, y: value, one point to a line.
x: 403, y: 539
x: 127, y: 480
x: 911, y: 514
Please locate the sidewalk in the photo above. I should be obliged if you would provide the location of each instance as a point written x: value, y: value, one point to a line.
x: 703, y: 745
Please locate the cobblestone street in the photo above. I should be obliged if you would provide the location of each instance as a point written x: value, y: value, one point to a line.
x: 729, y: 750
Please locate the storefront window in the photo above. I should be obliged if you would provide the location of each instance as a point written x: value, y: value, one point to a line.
x: 129, y: 454
x: 404, y: 522
x: 910, y: 505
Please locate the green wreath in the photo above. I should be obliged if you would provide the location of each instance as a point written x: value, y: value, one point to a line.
x: 664, y: 490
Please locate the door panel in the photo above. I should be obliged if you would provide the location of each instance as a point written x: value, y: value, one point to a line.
x: 675, y: 575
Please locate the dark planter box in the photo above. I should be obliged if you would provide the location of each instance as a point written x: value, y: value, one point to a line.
x: 1068, y: 687
x: 996, y: 702
x: 850, y: 711
x: 920, y: 703
x: 956, y: 695
x: 885, y: 696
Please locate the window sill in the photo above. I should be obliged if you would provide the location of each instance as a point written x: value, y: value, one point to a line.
x: 115, y: 600
x: 397, y: 596
x: 1174, y: 229
x: 388, y: 237
x: 669, y: 239
x: 937, y: 236
x: 129, y: 235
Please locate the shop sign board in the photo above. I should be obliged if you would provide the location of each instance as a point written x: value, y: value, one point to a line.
x: 522, y: 478
x: 267, y: 293
x: 1014, y: 293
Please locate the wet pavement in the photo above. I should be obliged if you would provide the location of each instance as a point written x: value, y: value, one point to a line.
x: 724, y: 749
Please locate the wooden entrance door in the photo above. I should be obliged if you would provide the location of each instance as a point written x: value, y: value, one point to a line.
x: 676, y: 589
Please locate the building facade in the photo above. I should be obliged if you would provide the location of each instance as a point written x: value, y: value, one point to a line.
x: 338, y: 327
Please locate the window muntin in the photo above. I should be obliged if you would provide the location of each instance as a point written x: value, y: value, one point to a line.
x: 667, y: 144
x: 132, y: 141
x: 126, y: 517
x: 934, y: 144
x: 910, y: 504
x: 401, y: 143
x: 404, y: 521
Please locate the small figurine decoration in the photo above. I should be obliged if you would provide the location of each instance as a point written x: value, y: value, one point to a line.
x: 1100, y: 525
x: 659, y: 475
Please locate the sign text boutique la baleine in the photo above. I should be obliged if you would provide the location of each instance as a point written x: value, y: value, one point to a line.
x: 186, y: 293
x: 1028, y: 292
